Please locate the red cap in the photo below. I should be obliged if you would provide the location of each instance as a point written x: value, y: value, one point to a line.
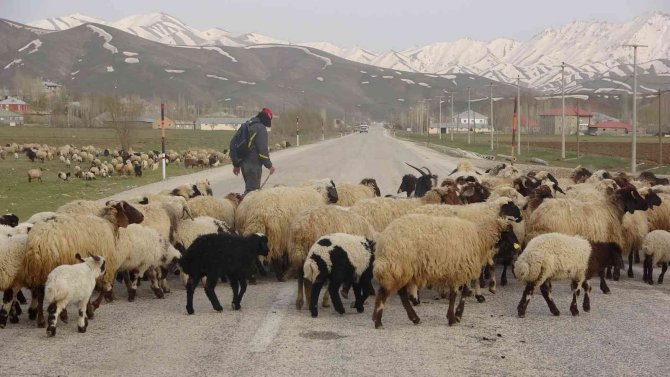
x: 268, y: 112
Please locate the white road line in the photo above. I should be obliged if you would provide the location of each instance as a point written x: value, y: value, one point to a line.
x: 270, y: 326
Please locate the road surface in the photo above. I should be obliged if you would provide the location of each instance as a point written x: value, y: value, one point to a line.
x: 626, y: 333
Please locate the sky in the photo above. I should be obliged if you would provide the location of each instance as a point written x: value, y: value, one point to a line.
x: 373, y: 24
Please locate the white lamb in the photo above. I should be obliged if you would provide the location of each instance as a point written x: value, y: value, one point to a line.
x: 72, y: 283
x: 655, y: 249
x: 553, y: 256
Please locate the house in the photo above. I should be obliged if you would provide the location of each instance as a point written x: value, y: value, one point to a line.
x: 14, y: 104
x: 551, y: 121
x: 444, y: 127
x: 477, y: 122
x: 173, y: 124
x: 610, y: 128
x: 51, y: 87
x: 11, y: 118
x: 219, y: 123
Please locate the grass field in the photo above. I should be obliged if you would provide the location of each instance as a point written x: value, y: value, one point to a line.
x: 23, y: 198
x: 601, y: 152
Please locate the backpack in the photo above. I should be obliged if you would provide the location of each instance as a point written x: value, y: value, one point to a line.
x: 240, y: 144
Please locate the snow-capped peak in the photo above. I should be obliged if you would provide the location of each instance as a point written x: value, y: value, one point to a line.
x: 65, y: 22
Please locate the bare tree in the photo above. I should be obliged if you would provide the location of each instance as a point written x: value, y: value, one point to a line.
x: 122, y: 113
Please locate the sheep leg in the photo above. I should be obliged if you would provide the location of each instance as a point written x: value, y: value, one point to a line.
x: 411, y: 314
x: 21, y: 298
x: 53, y: 311
x: 460, y: 308
x: 41, y: 323
x: 492, y: 278
x: 314, y: 296
x: 575, y: 292
x: 608, y: 275
x: 364, y: 287
x: 345, y: 290
x: 15, y: 312
x: 32, y: 309
x: 162, y: 274
x: 545, y: 289
x: 300, y: 299
x: 240, y: 294
x: 261, y: 268
x: 82, y: 322
x: 603, y: 283
x: 503, y: 277
x: 616, y: 273
x: 5, y: 310
x: 466, y: 290
x: 630, y: 265
x: 664, y: 268
x: 211, y: 294
x: 63, y: 315
x: 325, y: 303
x: 278, y: 267
x: 525, y: 299
x: 358, y: 297
x: 650, y: 269
x: 307, y: 289
x: 586, y: 305
x: 413, y: 293
x: 382, y: 296
x: 131, y: 284
x: 334, y: 290
x: 478, y: 291
x: 191, y: 284
x: 452, y: 300
x: 155, y: 285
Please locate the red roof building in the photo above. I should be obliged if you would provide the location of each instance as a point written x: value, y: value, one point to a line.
x: 610, y: 128
x: 14, y: 104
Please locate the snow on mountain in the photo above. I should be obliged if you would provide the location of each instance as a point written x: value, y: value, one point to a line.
x: 258, y: 39
x: 356, y: 54
x: 160, y: 27
x: 65, y: 22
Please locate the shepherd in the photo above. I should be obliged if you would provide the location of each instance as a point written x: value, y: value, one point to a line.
x: 249, y: 150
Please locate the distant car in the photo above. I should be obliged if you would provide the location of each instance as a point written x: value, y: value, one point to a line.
x: 363, y: 129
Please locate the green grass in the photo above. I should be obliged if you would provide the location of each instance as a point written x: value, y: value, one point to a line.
x: 502, y: 145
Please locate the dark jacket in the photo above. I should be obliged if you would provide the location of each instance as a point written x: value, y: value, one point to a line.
x: 258, y: 137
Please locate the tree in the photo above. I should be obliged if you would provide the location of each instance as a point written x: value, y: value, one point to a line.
x: 122, y: 113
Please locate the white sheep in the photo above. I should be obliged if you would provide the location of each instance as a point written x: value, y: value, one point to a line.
x: 72, y: 283
x: 12, y: 251
x: 553, y: 256
x: 348, y: 193
x: 655, y: 249
x: 418, y: 250
x: 381, y: 211
x: 221, y: 209
x: 340, y: 258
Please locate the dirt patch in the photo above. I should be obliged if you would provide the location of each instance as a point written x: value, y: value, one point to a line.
x: 321, y: 335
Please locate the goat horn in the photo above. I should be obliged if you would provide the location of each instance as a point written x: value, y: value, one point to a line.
x: 429, y: 172
x: 423, y: 173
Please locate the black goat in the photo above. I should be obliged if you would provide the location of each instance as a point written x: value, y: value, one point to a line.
x: 424, y: 183
x: 218, y: 254
x: 408, y: 184
x: 30, y: 154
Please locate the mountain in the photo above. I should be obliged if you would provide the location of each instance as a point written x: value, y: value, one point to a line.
x: 592, y: 50
x: 96, y: 58
x: 64, y: 23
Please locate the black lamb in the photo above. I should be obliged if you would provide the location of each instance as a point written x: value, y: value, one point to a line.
x: 221, y: 254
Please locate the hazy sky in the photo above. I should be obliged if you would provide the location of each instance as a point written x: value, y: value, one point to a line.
x: 373, y: 24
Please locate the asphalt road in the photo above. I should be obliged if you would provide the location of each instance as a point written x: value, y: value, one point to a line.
x: 626, y: 333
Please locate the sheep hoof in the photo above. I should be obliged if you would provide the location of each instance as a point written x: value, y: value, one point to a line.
x: 190, y: 310
x: 218, y: 308
x: 299, y: 303
x: 521, y: 315
x: 131, y: 295
x: 236, y: 306
x: 416, y: 320
x: 503, y: 282
x: 480, y: 298
x: 631, y: 274
x: 660, y: 281
x: 109, y: 296
x: 314, y: 312
x: 13, y: 319
x: 32, y: 314
x: 587, y: 307
x: 492, y: 289
x: 556, y: 312
x: 41, y: 324
x: 81, y: 329
x: 51, y: 331
x: 574, y: 310
x: 90, y: 311
x: 360, y: 309
x: 378, y: 324
x: 650, y: 282
x: 158, y: 292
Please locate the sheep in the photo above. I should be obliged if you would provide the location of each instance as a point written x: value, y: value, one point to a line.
x: 340, y: 258
x: 656, y: 249
x: 35, y: 174
x: 95, y: 170
x: 30, y: 154
x: 480, y: 213
x: 89, y: 176
x: 597, y: 221
x: 215, y: 255
x: 221, y: 209
x: 63, y: 176
x: 146, y: 250
x: 54, y: 242
x: 137, y: 168
x: 465, y: 169
x: 408, y: 184
x: 417, y: 250
x: 309, y: 225
x: 271, y: 211
x: 381, y: 211
x: 9, y: 219
x: 649, y: 177
x: 81, y: 207
x: 40, y: 216
x: 349, y: 194
x: 12, y: 251
x: 553, y: 256
x: 72, y: 283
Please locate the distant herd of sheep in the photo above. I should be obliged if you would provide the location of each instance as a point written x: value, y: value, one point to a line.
x: 447, y: 237
x: 89, y: 162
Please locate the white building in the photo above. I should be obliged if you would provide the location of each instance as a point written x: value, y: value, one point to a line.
x: 459, y: 123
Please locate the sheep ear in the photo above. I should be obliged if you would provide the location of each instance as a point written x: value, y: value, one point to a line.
x: 78, y: 257
x: 134, y: 216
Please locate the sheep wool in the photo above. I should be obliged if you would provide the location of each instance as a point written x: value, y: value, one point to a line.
x: 655, y: 249
x: 12, y: 252
x: 348, y: 193
x: 420, y: 250
x: 221, y: 209
x: 381, y: 211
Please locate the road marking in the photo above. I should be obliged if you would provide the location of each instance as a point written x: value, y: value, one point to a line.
x: 270, y: 326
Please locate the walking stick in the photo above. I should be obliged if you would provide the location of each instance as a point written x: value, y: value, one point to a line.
x: 265, y: 181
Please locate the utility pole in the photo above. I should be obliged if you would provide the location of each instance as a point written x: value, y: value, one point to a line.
x: 163, y: 139
x: 468, y: 115
x: 633, y: 161
x: 452, y: 116
x: 660, y: 137
x: 297, y: 131
x: 426, y: 112
x: 563, y: 111
x: 518, y: 118
x: 490, y: 85
x: 439, y: 129
x: 578, y: 124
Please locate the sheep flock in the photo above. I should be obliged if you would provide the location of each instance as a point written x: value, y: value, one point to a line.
x: 446, y: 237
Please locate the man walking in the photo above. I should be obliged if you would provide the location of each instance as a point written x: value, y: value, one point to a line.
x: 249, y: 150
